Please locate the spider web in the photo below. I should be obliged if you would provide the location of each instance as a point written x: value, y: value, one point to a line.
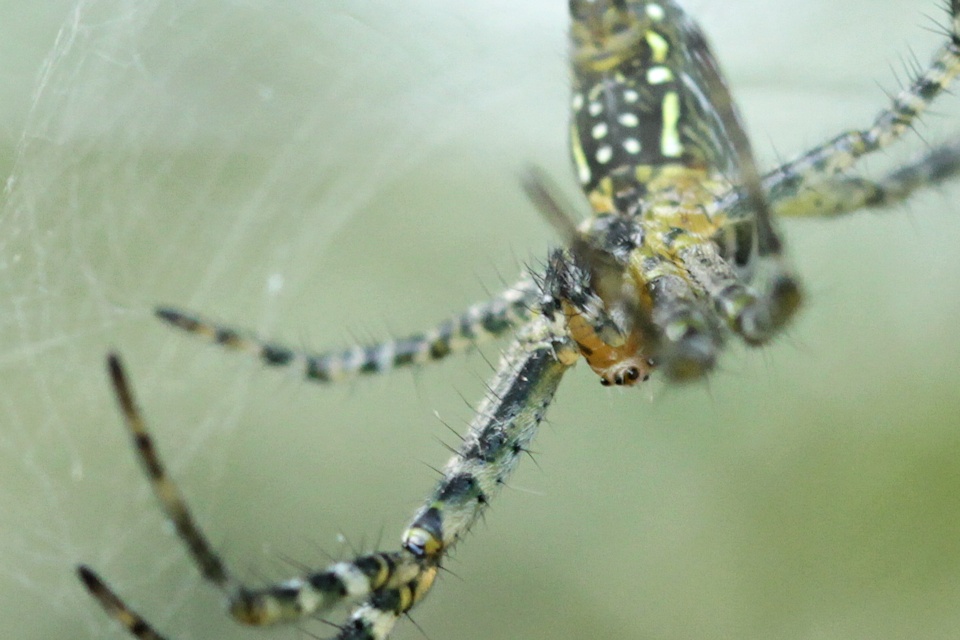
x: 301, y: 167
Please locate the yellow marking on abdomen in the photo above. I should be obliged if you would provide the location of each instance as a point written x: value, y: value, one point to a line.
x: 670, y: 145
x: 659, y: 47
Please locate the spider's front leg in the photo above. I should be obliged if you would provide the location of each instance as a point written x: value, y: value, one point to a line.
x: 387, y: 584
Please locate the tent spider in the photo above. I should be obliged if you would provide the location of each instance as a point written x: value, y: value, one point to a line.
x: 680, y: 252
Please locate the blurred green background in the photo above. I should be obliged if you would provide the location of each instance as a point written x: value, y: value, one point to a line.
x: 324, y: 172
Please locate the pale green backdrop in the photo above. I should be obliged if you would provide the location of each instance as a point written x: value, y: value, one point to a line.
x: 330, y: 171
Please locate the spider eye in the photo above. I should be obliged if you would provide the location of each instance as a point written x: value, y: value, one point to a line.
x: 633, y: 373
x: 605, y: 382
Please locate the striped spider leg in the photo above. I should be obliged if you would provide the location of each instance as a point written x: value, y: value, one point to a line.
x: 381, y: 586
x: 819, y: 183
x: 505, y: 312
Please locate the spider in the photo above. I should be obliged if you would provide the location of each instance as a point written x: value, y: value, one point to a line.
x: 680, y: 253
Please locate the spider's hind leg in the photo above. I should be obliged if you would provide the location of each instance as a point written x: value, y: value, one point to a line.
x: 792, y: 187
x: 850, y: 193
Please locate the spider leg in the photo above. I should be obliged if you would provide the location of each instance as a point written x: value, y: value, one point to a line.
x: 115, y: 607
x: 567, y: 290
x: 577, y: 277
x: 171, y: 500
x: 505, y: 423
x: 479, y: 323
x: 756, y: 311
x: 745, y: 311
x: 686, y: 341
x: 291, y: 600
x: 754, y: 317
x: 792, y: 179
x: 846, y: 194
x: 768, y: 241
x: 390, y: 583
